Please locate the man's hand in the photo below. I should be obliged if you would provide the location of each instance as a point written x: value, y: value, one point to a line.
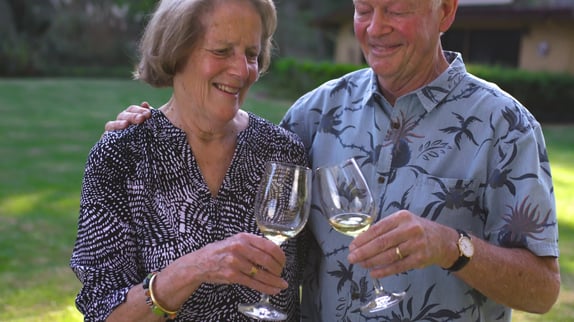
x: 134, y: 114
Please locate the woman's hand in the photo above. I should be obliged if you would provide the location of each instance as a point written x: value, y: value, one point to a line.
x: 245, y: 259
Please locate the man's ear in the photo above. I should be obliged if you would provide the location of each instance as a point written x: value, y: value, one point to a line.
x: 448, y: 9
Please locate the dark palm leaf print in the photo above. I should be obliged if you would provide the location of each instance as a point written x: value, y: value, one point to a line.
x: 514, y: 119
x: 330, y: 121
x: 462, y: 130
x: 451, y: 198
x: 344, y: 274
x: 372, y: 153
x: 523, y: 222
x: 429, y: 92
x: 403, y: 203
x: 501, y: 178
x: 400, y: 139
x: 425, y: 312
x: 344, y: 84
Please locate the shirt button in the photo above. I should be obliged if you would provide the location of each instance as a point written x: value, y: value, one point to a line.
x: 381, y: 179
x: 395, y: 125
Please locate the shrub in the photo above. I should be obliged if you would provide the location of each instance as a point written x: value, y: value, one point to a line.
x: 550, y: 97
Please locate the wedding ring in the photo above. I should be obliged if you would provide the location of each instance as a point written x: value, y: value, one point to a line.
x: 253, y: 271
x: 398, y: 252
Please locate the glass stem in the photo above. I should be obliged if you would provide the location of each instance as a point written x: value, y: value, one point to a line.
x: 264, y: 299
x: 377, y: 286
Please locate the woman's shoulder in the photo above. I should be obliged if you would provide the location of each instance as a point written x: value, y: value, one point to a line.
x: 269, y: 141
x: 135, y: 137
x: 269, y: 131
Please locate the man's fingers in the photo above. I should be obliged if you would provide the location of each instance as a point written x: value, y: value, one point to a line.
x: 116, y: 125
x: 144, y: 109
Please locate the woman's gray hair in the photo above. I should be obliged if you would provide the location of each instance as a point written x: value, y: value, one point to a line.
x: 175, y: 28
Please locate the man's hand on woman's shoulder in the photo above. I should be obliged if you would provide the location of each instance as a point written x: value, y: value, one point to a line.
x: 134, y: 114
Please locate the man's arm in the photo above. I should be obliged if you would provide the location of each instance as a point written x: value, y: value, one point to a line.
x: 513, y: 276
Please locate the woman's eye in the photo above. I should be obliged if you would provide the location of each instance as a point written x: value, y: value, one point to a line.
x: 252, y: 57
x: 220, y: 52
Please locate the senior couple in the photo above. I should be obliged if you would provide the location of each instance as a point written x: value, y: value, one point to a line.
x: 466, y: 215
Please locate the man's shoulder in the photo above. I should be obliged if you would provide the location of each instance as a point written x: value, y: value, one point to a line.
x: 361, y: 75
x: 349, y: 85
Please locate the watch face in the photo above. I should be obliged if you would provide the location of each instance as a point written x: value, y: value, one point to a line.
x: 466, y: 247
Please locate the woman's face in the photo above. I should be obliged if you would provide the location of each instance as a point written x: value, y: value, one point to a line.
x: 223, y: 65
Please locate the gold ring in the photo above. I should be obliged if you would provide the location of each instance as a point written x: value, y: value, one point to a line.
x: 253, y: 271
x: 398, y: 252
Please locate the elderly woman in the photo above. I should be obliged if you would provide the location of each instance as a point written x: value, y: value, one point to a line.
x: 166, y: 226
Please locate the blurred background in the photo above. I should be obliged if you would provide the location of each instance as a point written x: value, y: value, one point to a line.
x: 59, y: 37
x: 65, y: 69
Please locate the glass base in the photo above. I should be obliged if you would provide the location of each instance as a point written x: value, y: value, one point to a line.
x: 262, y: 311
x: 382, y: 301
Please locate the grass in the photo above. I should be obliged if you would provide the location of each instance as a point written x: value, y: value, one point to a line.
x: 47, y: 127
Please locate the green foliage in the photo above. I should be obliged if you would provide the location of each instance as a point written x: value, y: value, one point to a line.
x: 548, y: 96
x: 20, y: 55
x: 51, y: 38
x: 295, y: 77
x: 138, y: 7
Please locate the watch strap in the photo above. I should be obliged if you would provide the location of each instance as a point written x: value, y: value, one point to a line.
x: 462, y: 260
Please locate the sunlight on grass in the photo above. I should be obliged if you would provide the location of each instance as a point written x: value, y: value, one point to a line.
x: 563, y: 178
x: 56, y: 291
x: 21, y: 204
x: 66, y: 314
x: 48, y: 127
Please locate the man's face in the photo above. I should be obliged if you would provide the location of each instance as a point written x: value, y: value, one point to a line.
x: 399, y: 38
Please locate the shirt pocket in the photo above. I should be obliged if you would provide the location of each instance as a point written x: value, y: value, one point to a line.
x: 452, y: 201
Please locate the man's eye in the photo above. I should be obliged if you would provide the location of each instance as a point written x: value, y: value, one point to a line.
x: 399, y: 11
x: 361, y: 12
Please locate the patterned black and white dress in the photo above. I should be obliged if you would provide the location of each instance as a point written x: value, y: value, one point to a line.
x: 145, y: 203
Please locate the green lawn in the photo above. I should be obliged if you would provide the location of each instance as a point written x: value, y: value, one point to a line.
x: 47, y: 127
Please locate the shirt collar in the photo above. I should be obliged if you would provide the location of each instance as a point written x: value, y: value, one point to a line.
x: 432, y: 94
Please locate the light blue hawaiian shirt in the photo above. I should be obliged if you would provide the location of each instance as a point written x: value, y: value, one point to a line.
x: 459, y: 151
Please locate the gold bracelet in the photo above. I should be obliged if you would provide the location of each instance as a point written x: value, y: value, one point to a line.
x: 156, y: 307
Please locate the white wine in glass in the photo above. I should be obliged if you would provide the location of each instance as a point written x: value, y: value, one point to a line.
x: 348, y: 204
x: 282, y: 207
x: 351, y: 224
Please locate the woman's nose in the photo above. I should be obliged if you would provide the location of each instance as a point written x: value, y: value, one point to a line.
x: 240, y: 66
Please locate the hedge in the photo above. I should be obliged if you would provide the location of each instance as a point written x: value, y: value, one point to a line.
x: 549, y: 96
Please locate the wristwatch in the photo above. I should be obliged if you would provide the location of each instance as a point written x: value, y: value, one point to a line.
x: 465, y: 249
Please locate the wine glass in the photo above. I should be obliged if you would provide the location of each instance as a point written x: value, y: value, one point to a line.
x: 348, y: 204
x: 282, y: 207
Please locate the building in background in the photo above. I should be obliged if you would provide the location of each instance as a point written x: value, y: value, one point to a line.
x: 535, y: 35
